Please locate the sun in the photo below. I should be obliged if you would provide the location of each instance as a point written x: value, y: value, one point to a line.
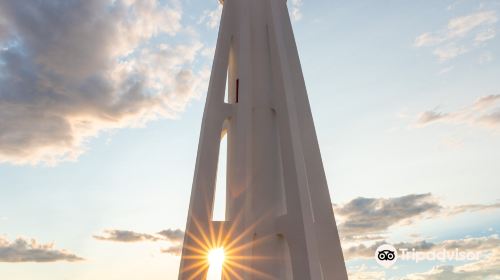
x: 216, y: 257
x: 217, y: 252
x: 215, y: 260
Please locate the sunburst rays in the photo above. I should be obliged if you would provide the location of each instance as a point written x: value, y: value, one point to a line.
x: 205, y: 237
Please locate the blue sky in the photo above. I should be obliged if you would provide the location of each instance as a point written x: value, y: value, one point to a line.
x: 100, y: 113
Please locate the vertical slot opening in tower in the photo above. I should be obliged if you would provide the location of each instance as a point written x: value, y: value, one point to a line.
x: 226, y: 92
x: 219, y: 209
x: 237, y: 90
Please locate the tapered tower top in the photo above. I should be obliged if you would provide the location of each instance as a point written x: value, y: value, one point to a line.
x: 222, y: 1
x: 277, y: 221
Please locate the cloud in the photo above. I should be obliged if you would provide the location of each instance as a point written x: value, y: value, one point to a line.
x: 72, y: 70
x: 361, y: 220
x: 115, y: 235
x: 362, y: 272
x: 173, y: 250
x: 485, y: 35
x: 369, y: 219
x: 473, y: 208
x: 430, y: 116
x: 23, y: 250
x: 211, y: 18
x: 295, y: 10
x: 461, y: 35
x: 445, y: 70
x: 365, y: 217
x: 486, y: 268
x: 174, y: 236
x: 125, y: 236
x: 484, y: 111
x: 485, y: 57
x: 448, y: 52
x: 485, y: 244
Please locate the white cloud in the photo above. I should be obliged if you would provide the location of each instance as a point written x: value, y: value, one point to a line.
x: 483, y: 245
x: 445, y: 70
x: 362, y: 272
x: 428, y: 39
x: 461, y: 35
x: 72, y: 70
x: 484, y: 111
x: 23, y: 250
x: 487, y: 268
x: 485, y: 35
x: 211, y: 18
x: 448, y: 52
x: 485, y: 57
x: 295, y: 10
x: 461, y: 26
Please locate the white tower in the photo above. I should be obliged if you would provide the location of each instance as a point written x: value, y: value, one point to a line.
x: 279, y: 218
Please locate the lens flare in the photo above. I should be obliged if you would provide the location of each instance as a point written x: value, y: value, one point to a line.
x: 216, y: 257
x: 219, y: 253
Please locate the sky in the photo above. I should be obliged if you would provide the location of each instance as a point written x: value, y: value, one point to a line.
x: 100, y: 113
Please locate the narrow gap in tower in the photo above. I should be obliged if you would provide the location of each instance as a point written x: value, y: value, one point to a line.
x: 226, y: 92
x: 219, y: 209
x: 228, y: 95
x: 237, y: 90
x: 215, y: 264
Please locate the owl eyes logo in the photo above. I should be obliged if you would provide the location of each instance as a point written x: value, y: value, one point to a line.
x: 386, y: 255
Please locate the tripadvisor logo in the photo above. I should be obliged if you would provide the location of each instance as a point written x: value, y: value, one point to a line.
x: 386, y: 255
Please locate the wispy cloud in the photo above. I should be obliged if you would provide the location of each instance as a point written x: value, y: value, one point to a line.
x: 484, y: 111
x: 363, y: 272
x: 173, y: 236
x: 369, y: 219
x: 449, y: 51
x: 485, y: 57
x: 296, y: 10
x: 460, y: 35
x: 23, y: 250
x: 361, y: 220
x: 132, y: 236
x: 174, y: 250
x: 445, y: 70
x: 472, y: 208
x: 485, y: 245
x: 485, y: 35
x: 71, y: 70
x: 486, y: 268
x: 125, y: 236
x: 211, y: 18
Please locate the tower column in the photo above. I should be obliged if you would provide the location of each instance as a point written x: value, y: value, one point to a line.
x: 279, y: 219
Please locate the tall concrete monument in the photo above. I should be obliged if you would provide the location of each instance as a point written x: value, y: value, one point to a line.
x: 279, y: 222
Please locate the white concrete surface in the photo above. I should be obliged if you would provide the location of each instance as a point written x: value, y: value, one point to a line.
x: 279, y: 218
